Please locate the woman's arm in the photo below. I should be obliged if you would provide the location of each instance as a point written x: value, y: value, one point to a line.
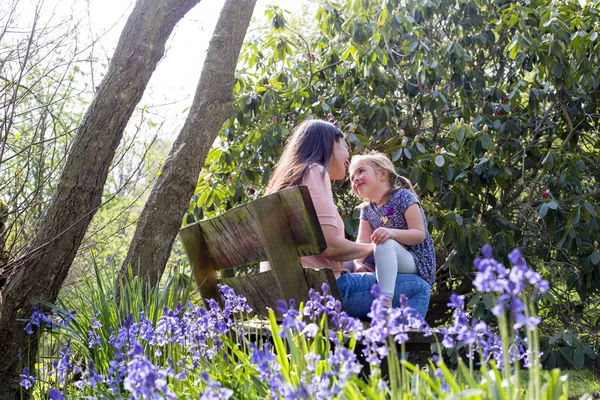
x: 364, y: 232
x: 364, y: 236
x: 415, y: 234
x: 342, y: 249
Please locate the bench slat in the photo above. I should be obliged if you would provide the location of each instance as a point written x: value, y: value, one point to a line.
x: 233, y: 238
x: 317, y: 277
x: 302, y: 219
x: 280, y: 248
x: 260, y: 291
x: 197, y: 252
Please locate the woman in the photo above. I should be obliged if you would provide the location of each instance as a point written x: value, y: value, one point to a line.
x: 316, y: 154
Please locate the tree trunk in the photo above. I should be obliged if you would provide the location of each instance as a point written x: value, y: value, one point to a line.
x: 39, y: 274
x: 163, y: 213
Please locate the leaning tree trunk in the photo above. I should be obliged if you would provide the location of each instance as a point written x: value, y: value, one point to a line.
x: 161, y: 217
x: 40, y: 273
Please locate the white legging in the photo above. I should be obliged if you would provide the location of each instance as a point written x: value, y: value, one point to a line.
x: 391, y: 258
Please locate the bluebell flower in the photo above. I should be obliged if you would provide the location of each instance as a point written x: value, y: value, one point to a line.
x: 442, y: 379
x: 487, y: 251
x: 214, y: 390
x: 63, y: 365
x: 55, y: 394
x: 145, y: 380
x: 27, y: 380
x: 36, y: 319
x: 117, y: 370
x: 291, y: 318
x: 387, y: 323
x: 236, y: 303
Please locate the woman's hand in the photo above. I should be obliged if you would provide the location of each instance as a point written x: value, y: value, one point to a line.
x: 381, y: 235
x: 362, y: 267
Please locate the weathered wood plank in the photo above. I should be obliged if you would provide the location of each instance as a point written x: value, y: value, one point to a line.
x: 417, y: 341
x: 316, y: 278
x: 204, y: 271
x: 280, y: 248
x: 302, y: 219
x: 260, y: 291
x: 233, y: 238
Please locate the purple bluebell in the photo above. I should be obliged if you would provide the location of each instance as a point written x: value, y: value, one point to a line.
x: 55, y: 394
x: 27, y: 380
x: 144, y: 379
x: 214, y: 389
x: 386, y: 322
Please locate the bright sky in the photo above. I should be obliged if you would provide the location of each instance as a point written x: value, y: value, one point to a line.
x: 175, y: 79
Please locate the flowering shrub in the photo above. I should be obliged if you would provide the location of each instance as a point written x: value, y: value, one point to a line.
x: 206, y: 352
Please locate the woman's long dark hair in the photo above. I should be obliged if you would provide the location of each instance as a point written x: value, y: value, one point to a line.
x: 311, y: 143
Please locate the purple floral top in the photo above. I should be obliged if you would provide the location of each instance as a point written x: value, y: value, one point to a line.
x: 391, y: 215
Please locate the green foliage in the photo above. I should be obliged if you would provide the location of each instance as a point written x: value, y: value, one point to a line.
x: 490, y: 107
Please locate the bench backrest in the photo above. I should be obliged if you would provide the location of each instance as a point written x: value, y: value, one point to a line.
x: 279, y: 228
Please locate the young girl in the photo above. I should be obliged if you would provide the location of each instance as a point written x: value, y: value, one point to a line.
x: 393, y: 220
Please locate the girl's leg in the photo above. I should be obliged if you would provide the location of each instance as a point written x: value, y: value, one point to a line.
x: 391, y: 259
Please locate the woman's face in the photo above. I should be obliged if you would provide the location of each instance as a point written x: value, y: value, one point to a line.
x: 339, y: 160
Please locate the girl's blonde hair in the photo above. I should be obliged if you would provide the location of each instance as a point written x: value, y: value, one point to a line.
x: 380, y: 162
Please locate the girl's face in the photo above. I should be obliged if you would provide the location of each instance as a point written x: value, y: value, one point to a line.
x: 367, y: 182
x: 339, y: 160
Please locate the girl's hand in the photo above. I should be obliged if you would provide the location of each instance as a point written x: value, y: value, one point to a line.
x: 362, y: 267
x: 381, y: 235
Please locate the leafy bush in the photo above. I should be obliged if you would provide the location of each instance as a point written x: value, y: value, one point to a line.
x: 490, y: 106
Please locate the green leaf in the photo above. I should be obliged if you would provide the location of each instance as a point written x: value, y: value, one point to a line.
x: 488, y: 302
x: 595, y: 257
x: 413, y: 46
x: 407, y: 153
x: 543, y: 210
x: 589, y: 351
x: 593, y: 36
x: 554, y: 338
x: 458, y: 219
x: 460, y: 134
x: 421, y: 148
x: 382, y: 15
x: 578, y: 358
x: 557, y: 70
x: 566, y: 353
x: 439, y: 160
x: 590, y: 209
x: 552, y: 205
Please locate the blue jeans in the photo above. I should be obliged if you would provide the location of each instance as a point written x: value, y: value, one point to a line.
x: 355, y: 288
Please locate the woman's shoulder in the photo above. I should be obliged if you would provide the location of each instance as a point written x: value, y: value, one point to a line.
x: 316, y: 177
x: 315, y: 170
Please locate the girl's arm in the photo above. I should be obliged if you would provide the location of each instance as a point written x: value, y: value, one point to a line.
x: 342, y: 249
x: 415, y: 234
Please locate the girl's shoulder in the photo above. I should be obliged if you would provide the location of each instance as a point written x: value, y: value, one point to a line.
x: 403, y: 196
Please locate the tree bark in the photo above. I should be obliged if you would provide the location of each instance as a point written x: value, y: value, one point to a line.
x: 169, y: 200
x: 39, y: 274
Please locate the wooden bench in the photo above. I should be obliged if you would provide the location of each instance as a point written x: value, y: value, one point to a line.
x: 280, y: 228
